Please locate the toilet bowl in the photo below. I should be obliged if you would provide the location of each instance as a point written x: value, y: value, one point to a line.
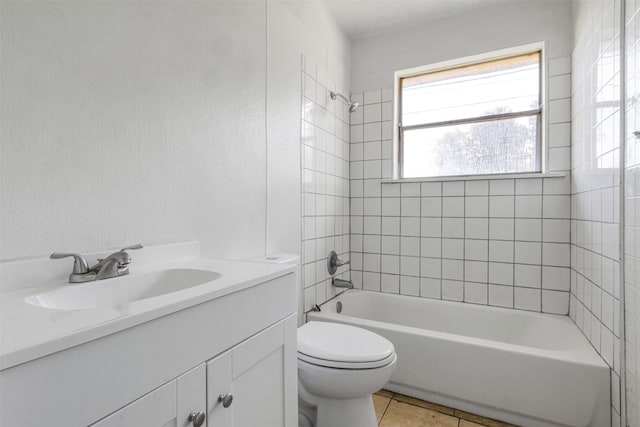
x: 339, y: 367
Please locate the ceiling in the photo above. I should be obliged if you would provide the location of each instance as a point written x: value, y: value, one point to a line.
x: 360, y: 18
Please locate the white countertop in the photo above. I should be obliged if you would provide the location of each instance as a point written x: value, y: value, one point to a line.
x: 28, y: 332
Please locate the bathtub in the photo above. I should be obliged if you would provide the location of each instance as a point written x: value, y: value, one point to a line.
x: 525, y: 368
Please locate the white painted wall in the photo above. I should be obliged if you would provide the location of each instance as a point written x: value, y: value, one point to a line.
x: 512, y: 23
x: 151, y: 122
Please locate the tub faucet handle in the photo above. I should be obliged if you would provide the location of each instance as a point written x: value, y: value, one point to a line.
x: 333, y: 262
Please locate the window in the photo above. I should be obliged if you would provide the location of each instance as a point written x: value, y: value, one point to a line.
x: 481, y: 118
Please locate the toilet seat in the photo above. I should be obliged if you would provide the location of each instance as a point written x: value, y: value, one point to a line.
x: 347, y: 365
x: 336, y: 345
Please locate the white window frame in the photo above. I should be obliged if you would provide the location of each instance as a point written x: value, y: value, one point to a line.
x: 460, y: 62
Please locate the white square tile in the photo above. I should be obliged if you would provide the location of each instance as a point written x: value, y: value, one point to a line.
x: 387, y: 111
x: 357, y: 117
x: 409, y: 266
x: 431, y: 267
x: 452, y: 248
x: 528, y: 275
x: 560, y: 135
x: 556, y: 206
x: 452, y: 290
x: 476, y: 228
x: 410, y: 206
x: 559, y: 86
x: 453, y: 206
x: 501, y: 250
x: 410, y: 285
x: 371, y: 262
x: 501, y: 206
x: 559, y: 110
x: 390, y: 190
x: 430, y: 227
x: 370, y: 244
x: 559, y: 66
x: 556, y: 278
x: 556, y: 230
x: 501, y: 296
x: 556, y: 254
x: 453, y: 227
x: 372, y: 169
x: 410, y: 226
x: 430, y: 288
x: 476, y: 188
x: 502, y: 187
x: 528, y: 299
x: 501, y: 228
x: 410, y: 246
x: 555, y: 302
x: 372, y: 225
x: 528, y: 252
x: 372, y: 113
x: 387, y: 95
x: 372, y: 150
x: 372, y: 188
x: 528, y: 186
x: 390, y: 245
x: 477, y: 250
x: 557, y: 185
x: 411, y: 189
x: 390, y: 206
x: 528, y: 206
x: 371, y: 281
x: 453, y: 188
x: 559, y: 159
x: 476, y: 206
x: 356, y: 133
x: 372, y: 132
x: 476, y: 271
x: 390, y: 283
x: 431, y: 189
x: 391, y: 226
x: 501, y: 273
x: 452, y: 269
x: 528, y: 229
x: 356, y: 151
x: 431, y: 206
x: 428, y: 247
x: 390, y: 264
x: 475, y: 293
x: 372, y: 206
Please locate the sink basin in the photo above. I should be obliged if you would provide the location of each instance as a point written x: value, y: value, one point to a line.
x: 121, y: 290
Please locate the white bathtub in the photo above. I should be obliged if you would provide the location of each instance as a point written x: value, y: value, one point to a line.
x: 525, y: 368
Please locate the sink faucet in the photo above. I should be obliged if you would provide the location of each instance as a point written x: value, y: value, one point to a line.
x: 115, y: 265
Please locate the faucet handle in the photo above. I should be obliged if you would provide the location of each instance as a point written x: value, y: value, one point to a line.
x: 136, y: 246
x: 80, y: 265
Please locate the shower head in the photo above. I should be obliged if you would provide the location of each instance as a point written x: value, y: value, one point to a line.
x: 353, y: 106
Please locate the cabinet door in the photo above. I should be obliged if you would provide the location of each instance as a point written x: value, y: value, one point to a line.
x: 167, y: 406
x: 260, y: 374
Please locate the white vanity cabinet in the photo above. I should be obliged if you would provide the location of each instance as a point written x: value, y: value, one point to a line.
x: 156, y: 373
x: 171, y: 405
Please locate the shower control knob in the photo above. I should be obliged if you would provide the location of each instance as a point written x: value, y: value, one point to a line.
x: 226, y: 399
x: 197, y: 418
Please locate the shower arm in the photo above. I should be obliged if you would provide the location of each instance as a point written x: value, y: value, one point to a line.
x: 341, y: 96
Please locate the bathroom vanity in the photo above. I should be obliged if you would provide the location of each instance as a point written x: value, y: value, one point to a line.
x: 217, y: 353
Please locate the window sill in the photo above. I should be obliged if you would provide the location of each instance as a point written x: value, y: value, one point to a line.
x: 477, y: 177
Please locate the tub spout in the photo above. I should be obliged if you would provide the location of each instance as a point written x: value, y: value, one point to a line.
x: 339, y: 283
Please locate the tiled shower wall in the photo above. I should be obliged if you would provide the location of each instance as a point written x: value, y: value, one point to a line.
x: 325, y: 183
x: 595, y: 149
x: 632, y: 213
x: 501, y: 242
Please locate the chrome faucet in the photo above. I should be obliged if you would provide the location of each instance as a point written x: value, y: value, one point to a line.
x: 339, y: 283
x: 115, y: 265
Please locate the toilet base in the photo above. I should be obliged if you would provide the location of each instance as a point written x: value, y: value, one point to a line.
x: 356, y: 412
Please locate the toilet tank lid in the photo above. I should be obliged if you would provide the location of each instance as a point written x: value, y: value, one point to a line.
x: 279, y: 258
x: 343, y: 343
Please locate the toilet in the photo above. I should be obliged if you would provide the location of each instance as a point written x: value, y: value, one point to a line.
x: 339, y: 367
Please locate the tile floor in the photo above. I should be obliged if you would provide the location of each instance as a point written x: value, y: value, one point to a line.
x: 397, y: 410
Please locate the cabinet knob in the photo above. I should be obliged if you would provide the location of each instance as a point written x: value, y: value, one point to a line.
x: 226, y: 399
x: 197, y: 418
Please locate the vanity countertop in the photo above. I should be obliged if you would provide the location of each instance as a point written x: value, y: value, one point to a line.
x: 28, y: 332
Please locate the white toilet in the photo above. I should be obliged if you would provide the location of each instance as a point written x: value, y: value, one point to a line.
x: 339, y: 367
